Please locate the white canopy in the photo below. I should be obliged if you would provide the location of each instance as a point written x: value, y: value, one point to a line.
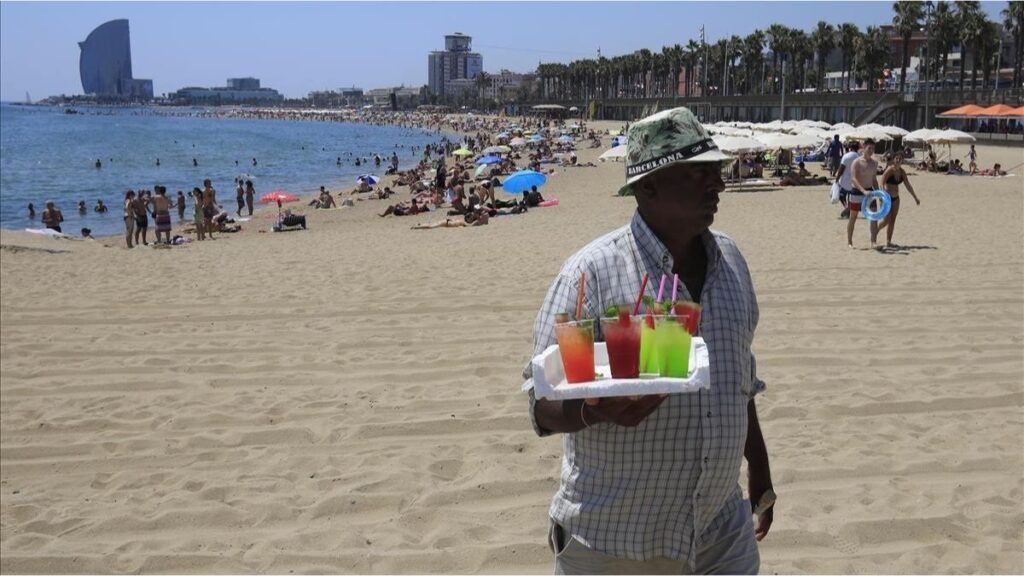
x: 864, y: 133
x: 921, y: 135
x: 949, y: 136
x: 788, y: 140
x: 738, y: 144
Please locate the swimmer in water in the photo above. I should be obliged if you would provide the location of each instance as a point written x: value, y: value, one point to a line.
x: 195, y: 162
x: 31, y: 211
x: 81, y: 207
x: 98, y: 163
x: 253, y: 161
x: 157, y: 161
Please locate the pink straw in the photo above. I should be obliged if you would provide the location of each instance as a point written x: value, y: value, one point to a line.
x: 661, y: 288
x: 675, y: 287
x: 580, y: 294
x: 640, y: 296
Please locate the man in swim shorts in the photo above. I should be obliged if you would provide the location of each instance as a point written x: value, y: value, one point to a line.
x: 843, y: 176
x: 864, y: 179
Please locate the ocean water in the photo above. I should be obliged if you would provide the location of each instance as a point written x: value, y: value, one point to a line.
x: 46, y: 154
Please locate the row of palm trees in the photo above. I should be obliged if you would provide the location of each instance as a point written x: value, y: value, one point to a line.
x: 782, y: 58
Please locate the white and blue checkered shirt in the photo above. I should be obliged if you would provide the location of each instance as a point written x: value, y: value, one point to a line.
x: 656, y: 489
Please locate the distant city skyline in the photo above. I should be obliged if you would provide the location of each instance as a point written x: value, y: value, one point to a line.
x: 300, y: 47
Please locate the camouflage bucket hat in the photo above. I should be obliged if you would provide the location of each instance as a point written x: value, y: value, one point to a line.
x: 666, y: 138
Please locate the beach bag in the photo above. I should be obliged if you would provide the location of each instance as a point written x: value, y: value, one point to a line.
x: 834, y: 193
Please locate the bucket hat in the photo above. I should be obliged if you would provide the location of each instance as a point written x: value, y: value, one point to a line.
x: 666, y: 138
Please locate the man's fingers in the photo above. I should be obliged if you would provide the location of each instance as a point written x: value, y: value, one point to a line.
x: 764, y: 523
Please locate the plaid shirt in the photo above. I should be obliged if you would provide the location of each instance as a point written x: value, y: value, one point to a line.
x: 656, y: 489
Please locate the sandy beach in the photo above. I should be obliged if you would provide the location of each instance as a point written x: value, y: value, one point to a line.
x: 347, y: 398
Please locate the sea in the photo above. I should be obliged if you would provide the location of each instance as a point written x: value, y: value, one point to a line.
x: 47, y: 154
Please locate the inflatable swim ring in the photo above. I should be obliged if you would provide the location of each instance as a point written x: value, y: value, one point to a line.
x: 884, y: 202
x: 546, y: 203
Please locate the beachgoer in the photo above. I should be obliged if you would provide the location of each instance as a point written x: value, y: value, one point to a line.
x: 973, y: 156
x: 845, y: 175
x: 997, y: 170
x: 893, y: 176
x: 140, y: 208
x: 835, y: 154
x: 162, y: 214
x: 82, y: 209
x: 52, y: 216
x: 100, y: 207
x: 198, y: 214
x: 864, y: 172
x: 31, y: 211
x: 157, y: 161
x: 180, y: 205
x: 129, y: 217
x: 210, y: 207
x: 195, y: 162
x: 254, y: 162
x: 239, y: 197
x: 87, y: 233
x: 250, y: 195
x: 98, y: 163
x: 652, y: 481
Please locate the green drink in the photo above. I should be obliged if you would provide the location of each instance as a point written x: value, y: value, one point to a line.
x: 671, y: 347
x: 648, y: 351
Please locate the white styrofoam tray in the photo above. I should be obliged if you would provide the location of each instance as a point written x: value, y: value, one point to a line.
x: 549, y: 377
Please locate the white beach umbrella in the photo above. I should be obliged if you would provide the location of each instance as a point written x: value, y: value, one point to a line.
x: 864, y: 133
x: 614, y: 153
x: 949, y: 137
x: 894, y: 131
x: 921, y: 135
x: 517, y: 142
x: 738, y: 144
x: 788, y: 141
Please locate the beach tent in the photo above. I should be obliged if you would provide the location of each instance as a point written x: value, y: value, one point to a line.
x: 966, y: 111
x: 614, y: 153
x: 738, y: 144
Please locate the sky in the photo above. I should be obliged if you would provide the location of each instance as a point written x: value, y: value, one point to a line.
x: 300, y: 47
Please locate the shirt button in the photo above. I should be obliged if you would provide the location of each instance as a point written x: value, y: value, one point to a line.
x: 709, y: 413
x: 706, y: 459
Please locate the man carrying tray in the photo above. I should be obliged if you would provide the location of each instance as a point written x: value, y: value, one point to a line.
x: 649, y: 485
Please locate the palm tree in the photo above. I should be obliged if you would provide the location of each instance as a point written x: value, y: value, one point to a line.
x: 824, y: 40
x: 800, y: 51
x: 906, y: 21
x: 1013, y: 21
x: 968, y: 17
x: 777, y: 37
x: 483, y: 80
x: 872, y: 53
x: 989, y: 47
x: 849, y: 36
x: 945, y: 33
x: 753, y: 56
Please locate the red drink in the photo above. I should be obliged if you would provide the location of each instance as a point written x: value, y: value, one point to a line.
x: 622, y: 338
x: 689, y: 316
x: 576, y: 346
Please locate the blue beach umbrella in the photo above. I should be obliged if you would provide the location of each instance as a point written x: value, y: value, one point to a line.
x: 488, y: 160
x: 536, y: 137
x: 565, y: 139
x: 369, y: 179
x: 523, y: 180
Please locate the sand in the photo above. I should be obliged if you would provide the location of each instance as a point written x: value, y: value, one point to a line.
x: 347, y: 399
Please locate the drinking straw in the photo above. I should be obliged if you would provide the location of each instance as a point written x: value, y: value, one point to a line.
x: 579, y: 294
x: 675, y: 287
x: 661, y: 288
x: 640, y: 296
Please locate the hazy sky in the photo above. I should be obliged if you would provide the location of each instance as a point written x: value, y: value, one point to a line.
x: 298, y: 47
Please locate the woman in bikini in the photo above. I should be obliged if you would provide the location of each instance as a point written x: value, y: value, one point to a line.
x: 893, y: 176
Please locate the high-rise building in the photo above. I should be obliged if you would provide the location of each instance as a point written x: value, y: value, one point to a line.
x: 105, y: 64
x: 456, y: 62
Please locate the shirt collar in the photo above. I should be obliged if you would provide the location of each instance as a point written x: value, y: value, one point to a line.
x: 654, y: 254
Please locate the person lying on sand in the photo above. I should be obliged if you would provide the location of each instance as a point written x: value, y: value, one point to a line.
x: 996, y: 170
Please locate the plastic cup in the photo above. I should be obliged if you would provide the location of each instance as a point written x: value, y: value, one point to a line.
x: 576, y: 346
x: 622, y: 338
x: 670, y: 343
x: 688, y: 314
x: 648, y: 351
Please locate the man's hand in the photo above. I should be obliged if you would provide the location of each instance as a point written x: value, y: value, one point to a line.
x: 623, y: 411
x: 758, y: 483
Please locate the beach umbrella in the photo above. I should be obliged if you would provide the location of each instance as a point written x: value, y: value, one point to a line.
x: 738, y: 144
x: 504, y: 149
x: 369, y: 179
x: 488, y: 160
x: 462, y: 152
x: 841, y: 127
x: 493, y: 150
x: 516, y: 142
x: 481, y: 169
x: 921, y: 135
x: 894, y: 131
x: 950, y: 137
x: 521, y: 181
x: 788, y: 141
x: 565, y: 139
x: 612, y: 153
x: 278, y: 196
x: 864, y: 133
x: 536, y: 138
